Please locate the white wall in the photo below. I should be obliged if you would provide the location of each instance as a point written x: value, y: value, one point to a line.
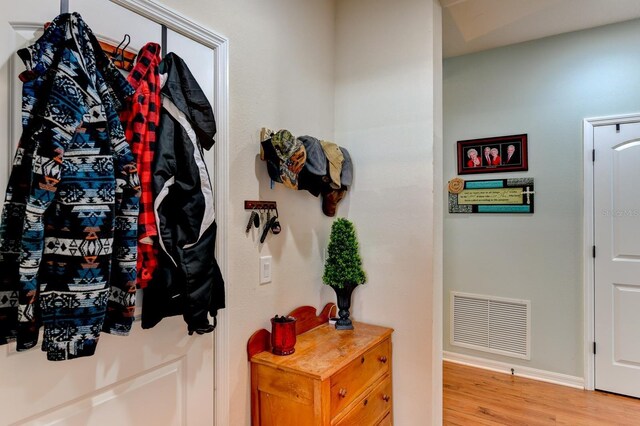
x: 290, y: 60
x: 281, y: 76
x: 544, y: 88
x: 386, y: 100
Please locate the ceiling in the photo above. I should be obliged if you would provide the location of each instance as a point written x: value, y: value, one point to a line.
x: 474, y: 25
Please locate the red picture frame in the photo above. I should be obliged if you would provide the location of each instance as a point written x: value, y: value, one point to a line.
x: 493, y: 155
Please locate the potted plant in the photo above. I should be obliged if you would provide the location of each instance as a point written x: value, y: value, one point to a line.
x: 343, y: 268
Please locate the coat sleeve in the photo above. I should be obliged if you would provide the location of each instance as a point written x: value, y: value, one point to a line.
x: 46, y: 174
x: 12, y: 219
x: 122, y: 294
x: 164, y: 178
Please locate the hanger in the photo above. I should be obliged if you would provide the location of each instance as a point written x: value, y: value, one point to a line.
x: 120, y: 56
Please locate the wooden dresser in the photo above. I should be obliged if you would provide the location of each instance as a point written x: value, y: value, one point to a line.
x: 336, y: 378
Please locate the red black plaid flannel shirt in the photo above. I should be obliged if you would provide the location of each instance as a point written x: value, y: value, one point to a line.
x: 140, y: 119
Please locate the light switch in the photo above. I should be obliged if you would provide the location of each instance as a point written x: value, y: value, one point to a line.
x: 265, y: 269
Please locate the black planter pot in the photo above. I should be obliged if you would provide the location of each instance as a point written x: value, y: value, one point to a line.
x: 343, y: 296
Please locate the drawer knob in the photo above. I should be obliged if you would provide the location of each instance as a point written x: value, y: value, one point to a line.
x: 383, y: 359
x: 342, y: 392
x: 386, y: 398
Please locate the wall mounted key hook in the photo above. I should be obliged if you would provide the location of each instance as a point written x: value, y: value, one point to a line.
x: 260, y: 208
x: 260, y: 205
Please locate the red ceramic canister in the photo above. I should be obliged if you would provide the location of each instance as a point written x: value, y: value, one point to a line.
x: 283, y: 335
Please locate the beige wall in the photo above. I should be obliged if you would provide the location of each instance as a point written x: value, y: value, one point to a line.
x: 386, y: 101
x: 335, y: 71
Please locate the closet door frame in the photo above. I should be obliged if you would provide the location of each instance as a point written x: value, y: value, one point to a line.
x: 220, y: 45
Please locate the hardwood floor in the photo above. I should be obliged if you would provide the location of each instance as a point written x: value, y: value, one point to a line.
x: 475, y: 396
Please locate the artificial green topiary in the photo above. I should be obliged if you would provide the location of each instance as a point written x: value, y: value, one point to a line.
x: 343, y: 265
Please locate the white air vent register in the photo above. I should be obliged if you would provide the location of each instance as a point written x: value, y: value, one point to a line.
x: 491, y: 324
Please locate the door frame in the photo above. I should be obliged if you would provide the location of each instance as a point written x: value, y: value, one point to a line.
x: 589, y: 125
x: 220, y: 45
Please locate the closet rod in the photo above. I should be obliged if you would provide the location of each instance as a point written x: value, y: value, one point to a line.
x: 164, y: 41
x: 64, y: 6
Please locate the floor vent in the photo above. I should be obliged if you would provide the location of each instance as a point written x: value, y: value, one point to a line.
x: 491, y: 324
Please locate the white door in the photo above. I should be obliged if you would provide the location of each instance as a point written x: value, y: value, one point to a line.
x: 617, y: 262
x: 160, y: 376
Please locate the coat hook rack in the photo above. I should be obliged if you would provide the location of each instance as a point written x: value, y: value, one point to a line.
x: 120, y: 55
x: 260, y: 205
x: 64, y: 6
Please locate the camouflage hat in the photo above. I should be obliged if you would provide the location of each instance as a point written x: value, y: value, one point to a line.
x: 285, y: 157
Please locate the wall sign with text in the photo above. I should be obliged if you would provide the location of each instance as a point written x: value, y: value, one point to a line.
x: 491, y: 196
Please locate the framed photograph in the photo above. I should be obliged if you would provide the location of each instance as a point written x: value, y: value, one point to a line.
x: 493, y: 155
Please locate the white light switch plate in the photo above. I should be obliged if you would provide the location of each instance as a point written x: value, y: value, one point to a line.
x: 265, y: 269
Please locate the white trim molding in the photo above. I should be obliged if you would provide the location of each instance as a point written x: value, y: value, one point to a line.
x: 173, y: 20
x: 438, y: 223
x: 516, y: 370
x: 220, y: 45
x: 589, y: 239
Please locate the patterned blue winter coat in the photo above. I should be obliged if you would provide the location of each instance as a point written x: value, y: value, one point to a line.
x: 68, y: 233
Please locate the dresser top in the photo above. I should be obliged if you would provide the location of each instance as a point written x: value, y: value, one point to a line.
x: 323, y: 350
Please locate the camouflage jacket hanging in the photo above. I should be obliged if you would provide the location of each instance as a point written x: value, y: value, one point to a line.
x: 68, y: 233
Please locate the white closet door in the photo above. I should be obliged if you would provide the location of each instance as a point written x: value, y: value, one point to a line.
x: 617, y: 264
x: 200, y: 59
x: 160, y: 376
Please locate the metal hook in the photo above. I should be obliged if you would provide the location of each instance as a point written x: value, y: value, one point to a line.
x: 119, y: 52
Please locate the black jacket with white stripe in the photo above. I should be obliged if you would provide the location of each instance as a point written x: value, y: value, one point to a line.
x: 187, y: 281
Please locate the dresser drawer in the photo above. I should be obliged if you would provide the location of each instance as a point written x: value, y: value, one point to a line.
x: 371, y: 408
x: 348, y: 383
x: 386, y: 421
x: 291, y: 386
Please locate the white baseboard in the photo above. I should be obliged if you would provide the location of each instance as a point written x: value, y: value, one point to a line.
x: 518, y: 370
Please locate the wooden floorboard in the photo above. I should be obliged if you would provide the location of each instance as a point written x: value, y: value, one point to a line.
x: 473, y: 396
